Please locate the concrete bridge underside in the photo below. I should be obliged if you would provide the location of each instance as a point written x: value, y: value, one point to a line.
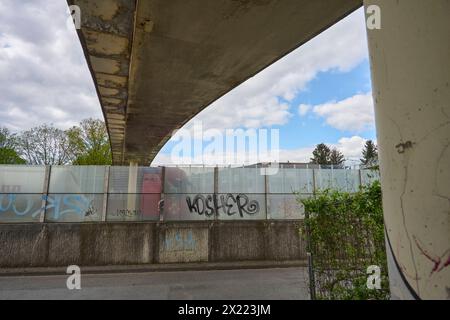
x: 158, y: 63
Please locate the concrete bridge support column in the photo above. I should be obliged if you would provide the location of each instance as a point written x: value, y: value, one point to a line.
x: 410, y: 62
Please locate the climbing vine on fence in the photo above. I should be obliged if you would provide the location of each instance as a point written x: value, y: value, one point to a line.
x: 346, y: 236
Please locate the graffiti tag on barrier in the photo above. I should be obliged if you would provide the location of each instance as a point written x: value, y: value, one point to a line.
x: 213, y: 204
x: 128, y: 213
x: 23, y: 205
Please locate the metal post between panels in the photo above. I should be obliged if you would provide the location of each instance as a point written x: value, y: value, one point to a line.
x: 266, y: 191
x: 161, y: 201
x: 360, y: 178
x: 332, y: 178
x: 216, y: 188
x: 309, y: 253
x: 45, y: 190
x: 105, y: 193
x: 314, y: 180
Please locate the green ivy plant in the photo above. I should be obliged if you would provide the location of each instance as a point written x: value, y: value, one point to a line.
x: 346, y: 235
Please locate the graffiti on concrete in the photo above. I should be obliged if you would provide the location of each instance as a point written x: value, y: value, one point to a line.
x: 179, y: 241
x: 58, y: 205
x: 213, y: 204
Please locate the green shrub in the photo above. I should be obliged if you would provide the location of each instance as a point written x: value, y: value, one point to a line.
x: 346, y: 235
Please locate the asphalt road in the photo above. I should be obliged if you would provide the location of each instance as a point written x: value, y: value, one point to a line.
x: 282, y: 283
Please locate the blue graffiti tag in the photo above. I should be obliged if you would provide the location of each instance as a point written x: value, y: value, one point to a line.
x: 12, y: 205
x: 178, y: 241
x: 60, y: 204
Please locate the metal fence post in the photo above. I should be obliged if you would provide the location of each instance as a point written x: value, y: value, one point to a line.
x: 314, y: 180
x: 45, y: 190
x: 105, y: 193
x: 309, y: 253
x: 216, y: 188
x: 360, y: 178
x: 266, y: 191
x: 332, y: 178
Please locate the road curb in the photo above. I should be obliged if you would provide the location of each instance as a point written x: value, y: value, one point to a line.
x: 202, y: 266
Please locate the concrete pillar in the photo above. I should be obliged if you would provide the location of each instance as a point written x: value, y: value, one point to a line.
x: 132, y: 188
x: 410, y: 62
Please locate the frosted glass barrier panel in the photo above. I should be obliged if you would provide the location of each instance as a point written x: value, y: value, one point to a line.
x: 346, y: 180
x: 285, y: 206
x: 241, y: 206
x: 323, y: 179
x: 291, y: 180
x: 74, y: 207
x: 20, y: 207
x: 77, y: 179
x: 133, y: 207
x: 148, y: 180
x: 338, y: 179
x: 189, y: 180
x: 22, y: 179
x: 369, y: 176
x: 187, y: 207
x: 241, y: 180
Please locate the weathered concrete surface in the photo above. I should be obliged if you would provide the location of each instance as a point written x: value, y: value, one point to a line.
x: 106, y: 37
x: 23, y: 245
x: 233, y: 241
x: 158, y: 63
x: 100, y: 244
x: 238, y: 241
x: 283, y: 284
x: 36, y: 245
x: 284, y: 242
x: 410, y: 62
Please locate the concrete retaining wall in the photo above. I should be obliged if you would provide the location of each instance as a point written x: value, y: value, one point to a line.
x: 96, y: 244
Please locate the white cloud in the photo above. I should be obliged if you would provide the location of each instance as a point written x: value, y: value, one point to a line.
x: 303, y: 109
x: 221, y: 159
x: 263, y: 100
x: 351, y: 147
x: 43, y: 74
x: 354, y: 114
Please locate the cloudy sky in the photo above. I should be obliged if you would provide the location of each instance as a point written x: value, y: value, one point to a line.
x: 320, y: 92
x: 43, y: 74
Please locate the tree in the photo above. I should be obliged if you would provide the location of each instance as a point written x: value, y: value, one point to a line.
x: 91, y: 143
x: 8, y: 145
x: 321, y: 154
x: 336, y: 158
x: 46, y: 145
x: 86, y: 144
x: 370, y: 154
